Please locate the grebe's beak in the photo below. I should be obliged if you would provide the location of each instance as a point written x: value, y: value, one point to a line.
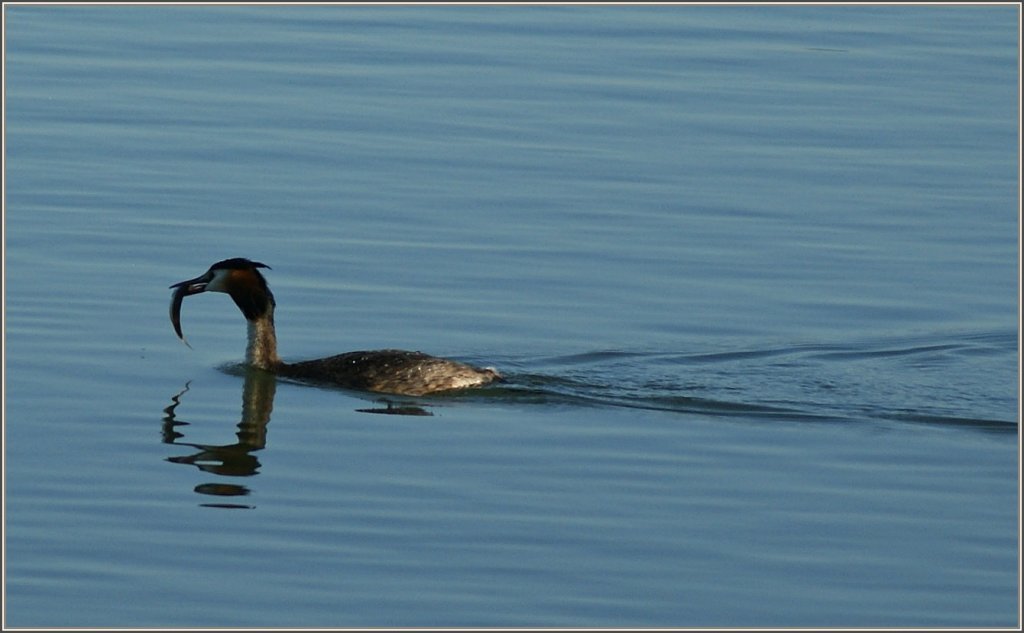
x: 182, y: 290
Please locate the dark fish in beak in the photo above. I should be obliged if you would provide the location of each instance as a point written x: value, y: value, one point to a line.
x: 182, y: 290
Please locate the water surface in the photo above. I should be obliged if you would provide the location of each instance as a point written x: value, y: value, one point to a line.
x: 751, y: 273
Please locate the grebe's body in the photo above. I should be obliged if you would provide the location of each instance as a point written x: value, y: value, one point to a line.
x: 385, y: 371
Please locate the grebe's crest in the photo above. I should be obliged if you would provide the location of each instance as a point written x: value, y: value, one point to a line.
x: 240, y: 278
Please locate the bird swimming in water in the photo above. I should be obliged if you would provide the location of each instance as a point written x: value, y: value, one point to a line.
x: 385, y: 371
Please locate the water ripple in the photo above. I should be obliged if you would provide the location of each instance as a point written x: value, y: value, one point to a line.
x: 874, y: 380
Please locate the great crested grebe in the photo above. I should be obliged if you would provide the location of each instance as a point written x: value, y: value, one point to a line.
x: 385, y: 371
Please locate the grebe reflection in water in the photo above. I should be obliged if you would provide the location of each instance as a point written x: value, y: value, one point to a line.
x: 385, y: 371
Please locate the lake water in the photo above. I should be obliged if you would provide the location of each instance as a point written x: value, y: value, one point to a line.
x: 751, y: 273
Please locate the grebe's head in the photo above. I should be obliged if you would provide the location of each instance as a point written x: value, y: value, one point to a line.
x: 237, y: 277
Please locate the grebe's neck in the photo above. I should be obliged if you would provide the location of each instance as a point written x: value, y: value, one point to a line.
x: 261, y: 351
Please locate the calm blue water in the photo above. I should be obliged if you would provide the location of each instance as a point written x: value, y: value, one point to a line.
x: 752, y: 273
